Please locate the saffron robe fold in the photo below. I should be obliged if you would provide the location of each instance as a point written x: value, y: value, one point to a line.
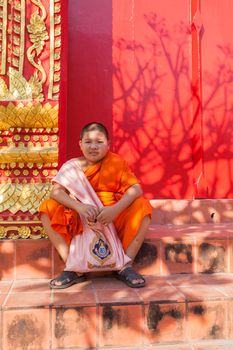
x: 110, y: 179
x: 98, y: 248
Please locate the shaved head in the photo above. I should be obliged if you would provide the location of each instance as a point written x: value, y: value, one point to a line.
x: 94, y: 126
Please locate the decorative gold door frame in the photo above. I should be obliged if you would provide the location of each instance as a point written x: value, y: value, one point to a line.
x: 30, y: 51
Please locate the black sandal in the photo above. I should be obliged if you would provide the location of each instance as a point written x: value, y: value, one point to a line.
x: 66, y: 279
x: 128, y: 275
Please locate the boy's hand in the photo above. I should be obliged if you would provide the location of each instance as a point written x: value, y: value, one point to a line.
x: 90, y: 212
x: 107, y: 215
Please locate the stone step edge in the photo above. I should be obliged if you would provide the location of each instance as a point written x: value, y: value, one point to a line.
x: 215, y: 344
x: 206, y: 230
x: 212, y: 344
x: 182, y: 211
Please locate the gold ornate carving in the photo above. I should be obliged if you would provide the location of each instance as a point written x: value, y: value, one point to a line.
x: 17, y: 44
x: 38, y: 35
x: 50, y: 92
x: 29, y: 154
x: 19, y: 87
x: 28, y: 116
x: 23, y: 197
x: 14, y: 232
x: 3, y: 232
x: 55, y: 54
x: 22, y: 34
x: 3, y: 40
x: 3, y: 89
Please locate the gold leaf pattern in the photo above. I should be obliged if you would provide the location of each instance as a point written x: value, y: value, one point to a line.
x: 28, y: 116
x: 23, y: 197
x: 38, y: 33
x: 36, y: 86
x: 24, y: 232
x: 3, y: 89
x: 28, y: 154
x: 3, y: 232
x: 19, y: 87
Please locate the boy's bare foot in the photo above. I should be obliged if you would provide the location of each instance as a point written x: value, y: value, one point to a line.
x: 66, y: 279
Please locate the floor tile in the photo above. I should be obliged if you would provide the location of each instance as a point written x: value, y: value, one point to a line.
x: 74, y: 328
x: 30, y: 299
x: 226, y: 290
x: 3, y: 298
x: 165, y: 322
x: 175, y: 346
x: 31, y: 285
x: 217, y: 279
x: 108, y: 283
x: 77, y: 298
x: 26, y: 329
x: 186, y: 280
x: 230, y: 311
x: 207, y: 320
x: 33, y: 260
x: 7, y: 261
x: 212, y: 256
x: 160, y: 294
x: 156, y: 281
x: 158, y: 214
x: 148, y: 259
x: 178, y: 256
x: 201, y: 292
x: 5, y: 286
x: 121, y: 296
x: 227, y: 345
x: 120, y: 325
x: 177, y: 211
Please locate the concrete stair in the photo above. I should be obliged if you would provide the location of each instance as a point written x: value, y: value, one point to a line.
x: 187, y: 259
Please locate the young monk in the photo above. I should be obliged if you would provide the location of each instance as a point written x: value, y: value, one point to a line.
x: 123, y: 205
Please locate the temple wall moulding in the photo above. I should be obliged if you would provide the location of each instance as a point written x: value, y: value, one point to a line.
x: 30, y: 68
x: 23, y: 154
x: 26, y: 230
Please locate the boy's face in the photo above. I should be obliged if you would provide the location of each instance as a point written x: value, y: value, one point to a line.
x: 94, y: 146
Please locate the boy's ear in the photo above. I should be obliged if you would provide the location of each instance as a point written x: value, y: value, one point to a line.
x: 80, y: 142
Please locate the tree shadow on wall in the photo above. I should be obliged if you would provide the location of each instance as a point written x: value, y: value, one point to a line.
x: 152, y: 118
x: 155, y: 106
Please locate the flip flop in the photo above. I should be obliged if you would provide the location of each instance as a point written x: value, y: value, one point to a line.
x: 128, y: 275
x: 67, y: 279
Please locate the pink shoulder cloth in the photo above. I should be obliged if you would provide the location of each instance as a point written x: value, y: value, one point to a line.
x: 98, y: 248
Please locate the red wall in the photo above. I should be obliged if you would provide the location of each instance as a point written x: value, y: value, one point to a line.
x: 159, y: 76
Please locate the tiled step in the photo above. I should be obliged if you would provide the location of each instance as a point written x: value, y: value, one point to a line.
x: 168, y: 249
x: 104, y: 313
x: 199, y: 248
x: 203, y: 345
x: 195, y: 211
x: 167, y: 211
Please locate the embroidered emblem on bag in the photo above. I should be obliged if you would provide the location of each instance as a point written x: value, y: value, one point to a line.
x: 100, y: 250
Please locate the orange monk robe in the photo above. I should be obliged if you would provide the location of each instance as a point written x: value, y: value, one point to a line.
x: 110, y: 179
